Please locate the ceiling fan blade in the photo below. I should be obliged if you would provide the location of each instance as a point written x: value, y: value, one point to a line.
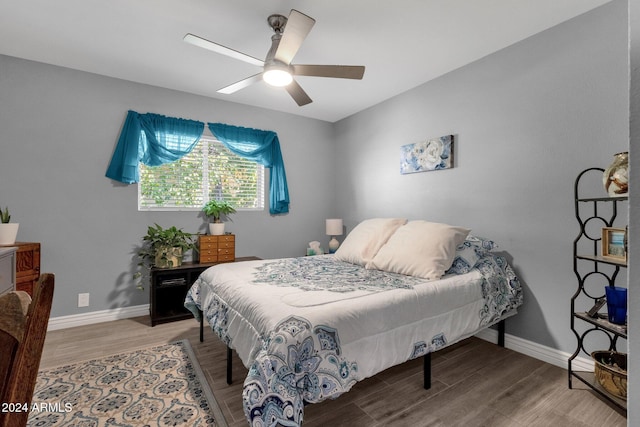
x: 337, y: 71
x: 241, y: 84
x: 298, y: 94
x: 298, y: 27
x: 223, y: 50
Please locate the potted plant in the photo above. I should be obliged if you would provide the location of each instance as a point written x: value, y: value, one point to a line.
x: 216, y: 209
x: 163, y: 248
x: 8, y: 230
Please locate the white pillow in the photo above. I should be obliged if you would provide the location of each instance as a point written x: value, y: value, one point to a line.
x: 420, y: 248
x: 364, y: 241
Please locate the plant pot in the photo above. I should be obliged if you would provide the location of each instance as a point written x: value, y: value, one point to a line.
x: 167, y: 257
x: 8, y: 233
x: 216, y: 228
x: 611, y: 372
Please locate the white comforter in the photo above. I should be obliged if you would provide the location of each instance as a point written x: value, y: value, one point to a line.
x: 309, y: 328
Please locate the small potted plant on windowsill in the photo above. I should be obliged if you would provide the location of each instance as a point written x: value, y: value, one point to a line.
x: 8, y: 230
x: 216, y: 209
x: 162, y: 248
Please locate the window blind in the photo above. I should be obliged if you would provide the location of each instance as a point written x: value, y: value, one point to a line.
x: 209, y: 171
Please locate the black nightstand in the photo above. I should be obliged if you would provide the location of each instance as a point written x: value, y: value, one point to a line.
x: 169, y: 287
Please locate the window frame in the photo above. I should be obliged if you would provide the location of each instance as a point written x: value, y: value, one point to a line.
x: 261, y: 184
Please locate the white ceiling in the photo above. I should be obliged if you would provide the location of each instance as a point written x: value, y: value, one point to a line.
x: 402, y: 44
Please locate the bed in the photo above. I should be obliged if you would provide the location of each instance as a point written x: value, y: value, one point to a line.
x: 309, y: 328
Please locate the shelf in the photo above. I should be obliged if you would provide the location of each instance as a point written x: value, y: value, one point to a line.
x: 589, y: 379
x: 602, y: 199
x: 169, y: 283
x: 620, y: 330
x: 169, y: 288
x: 609, y: 206
x: 604, y: 260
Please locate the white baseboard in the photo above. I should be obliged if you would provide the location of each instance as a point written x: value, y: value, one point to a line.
x: 537, y: 351
x: 64, y: 322
x: 529, y: 348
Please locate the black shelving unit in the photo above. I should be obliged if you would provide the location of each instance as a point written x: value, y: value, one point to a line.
x: 589, y: 264
x: 169, y: 287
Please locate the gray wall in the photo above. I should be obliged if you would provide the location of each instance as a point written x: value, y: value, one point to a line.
x: 527, y: 119
x: 58, y: 129
x: 634, y: 215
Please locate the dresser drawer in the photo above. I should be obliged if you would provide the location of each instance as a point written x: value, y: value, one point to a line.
x: 226, y: 257
x: 208, y: 253
x: 221, y: 238
x: 228, y: 244
x: 223, y: 254
x: 205, y: 245
x: 212, y: 243
x: 206, y: 259
x: 226, y: 251
x: 226, y: 238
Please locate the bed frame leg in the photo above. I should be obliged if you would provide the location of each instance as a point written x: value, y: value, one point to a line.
x: 427, y: 371
x: 229, y: 365
x: 427, y: 357
x: 229, y: 352
x: 501, y: 328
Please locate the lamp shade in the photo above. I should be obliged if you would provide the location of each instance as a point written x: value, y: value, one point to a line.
x: 334, y: 227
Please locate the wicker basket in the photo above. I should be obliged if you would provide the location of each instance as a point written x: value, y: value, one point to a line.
x: 611, y: 372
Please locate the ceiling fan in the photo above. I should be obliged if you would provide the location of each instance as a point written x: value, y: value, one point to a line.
x: 277, y: 67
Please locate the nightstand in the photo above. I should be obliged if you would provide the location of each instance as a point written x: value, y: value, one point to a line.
x: 169, y: 287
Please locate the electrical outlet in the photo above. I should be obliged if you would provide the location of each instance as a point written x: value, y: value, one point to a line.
x: 83, y: 300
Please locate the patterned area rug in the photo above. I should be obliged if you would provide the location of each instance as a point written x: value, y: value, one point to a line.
x: 155, y: 386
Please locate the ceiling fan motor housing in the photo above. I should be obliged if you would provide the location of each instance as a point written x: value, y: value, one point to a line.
x: 276, y: 73
x: 277, y: 22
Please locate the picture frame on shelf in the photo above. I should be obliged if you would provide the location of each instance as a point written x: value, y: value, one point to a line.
x: 614, y: 243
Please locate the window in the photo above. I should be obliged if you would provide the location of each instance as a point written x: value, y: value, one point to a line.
x: 209, y: 171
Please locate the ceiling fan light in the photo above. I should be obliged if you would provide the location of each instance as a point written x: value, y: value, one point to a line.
x: 277, y: 76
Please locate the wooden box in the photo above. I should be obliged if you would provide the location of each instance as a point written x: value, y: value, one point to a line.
x: 217, y: 248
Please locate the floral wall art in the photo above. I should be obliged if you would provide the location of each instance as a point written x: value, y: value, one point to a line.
x: 429, y: 155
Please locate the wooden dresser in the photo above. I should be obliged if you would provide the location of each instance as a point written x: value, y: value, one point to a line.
x: 217, y: 248
x: 7, y: 269
x: 27, y: 265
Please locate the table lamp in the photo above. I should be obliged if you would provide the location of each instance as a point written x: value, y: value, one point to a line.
x: 334, y: 228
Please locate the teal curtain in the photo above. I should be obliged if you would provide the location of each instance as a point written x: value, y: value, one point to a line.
x: 153, y: 140
x: 261, y: 146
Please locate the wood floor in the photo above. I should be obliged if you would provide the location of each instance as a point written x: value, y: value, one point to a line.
x: 475, y: 383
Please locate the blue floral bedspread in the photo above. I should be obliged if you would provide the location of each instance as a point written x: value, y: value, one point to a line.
x: 322, y: 273
x: 299, y: 362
